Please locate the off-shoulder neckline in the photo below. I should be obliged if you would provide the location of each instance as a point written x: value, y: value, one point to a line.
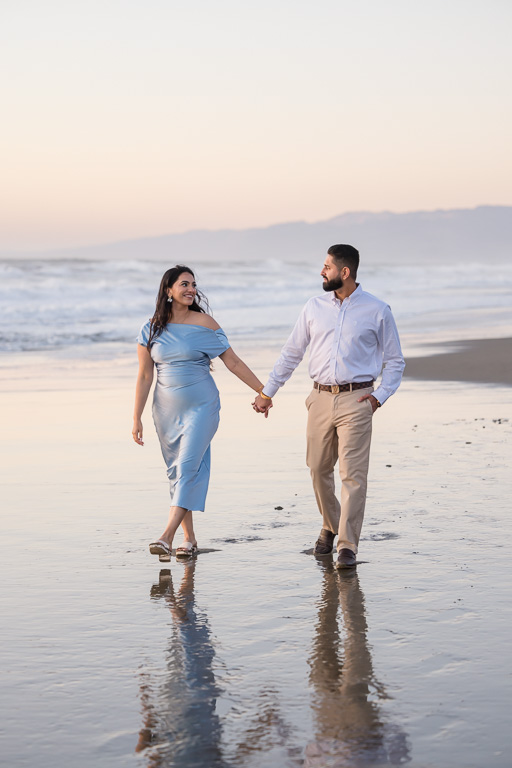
x: 194, y: 325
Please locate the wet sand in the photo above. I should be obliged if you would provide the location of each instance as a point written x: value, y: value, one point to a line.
x: 486, y: 361
x: 256, y: 654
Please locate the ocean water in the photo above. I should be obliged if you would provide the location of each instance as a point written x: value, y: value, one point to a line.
x: 81, y: 306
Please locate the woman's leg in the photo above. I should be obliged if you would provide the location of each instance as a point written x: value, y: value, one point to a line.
x: 176, y: 516
x: 188, y: 528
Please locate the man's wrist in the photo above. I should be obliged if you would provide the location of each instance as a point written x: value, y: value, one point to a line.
x: 380, y: 398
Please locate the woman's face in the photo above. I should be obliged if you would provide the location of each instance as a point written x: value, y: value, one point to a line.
x: 184, y: 290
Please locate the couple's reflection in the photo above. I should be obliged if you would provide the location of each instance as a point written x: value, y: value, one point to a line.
x: 349, y: 728
x: 180, y: 722
x: 180, y: 725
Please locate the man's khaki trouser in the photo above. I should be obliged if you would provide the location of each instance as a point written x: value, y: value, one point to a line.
x: 340, y: 428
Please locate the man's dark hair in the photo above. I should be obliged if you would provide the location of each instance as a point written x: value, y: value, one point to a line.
x: 345, y: 256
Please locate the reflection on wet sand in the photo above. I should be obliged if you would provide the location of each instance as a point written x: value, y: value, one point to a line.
x: 181, y: 726
x: 350, y: 730
x: 180, y: 722
x: 267, y: 732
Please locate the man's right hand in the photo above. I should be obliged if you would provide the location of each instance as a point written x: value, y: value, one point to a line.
x: 262, y: 405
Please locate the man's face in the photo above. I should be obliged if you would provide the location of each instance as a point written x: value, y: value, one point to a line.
x: 331, y: 275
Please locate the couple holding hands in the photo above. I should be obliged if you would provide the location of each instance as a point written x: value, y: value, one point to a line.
x: 352, y: 339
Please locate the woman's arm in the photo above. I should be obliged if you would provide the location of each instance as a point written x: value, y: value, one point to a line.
x: 244, y: 373
x: 144, y: 381
x: 240, y: 369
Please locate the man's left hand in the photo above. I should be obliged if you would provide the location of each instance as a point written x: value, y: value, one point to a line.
x: 373, y: 401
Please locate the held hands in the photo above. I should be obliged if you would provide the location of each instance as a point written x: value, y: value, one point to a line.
x: 262, y: 405
x: 373, y: 401
x: 137, y: 431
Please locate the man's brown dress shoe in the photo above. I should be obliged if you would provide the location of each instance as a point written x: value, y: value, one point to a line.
x: 346, y: 559
x: 323, y: 545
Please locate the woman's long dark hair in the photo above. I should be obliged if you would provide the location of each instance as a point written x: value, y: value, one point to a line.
x: 163, y: 309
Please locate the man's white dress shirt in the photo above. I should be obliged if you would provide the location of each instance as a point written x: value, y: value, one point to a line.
x: 350, y: 341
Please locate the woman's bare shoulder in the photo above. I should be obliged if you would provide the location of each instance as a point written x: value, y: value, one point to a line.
x: 207, y: 321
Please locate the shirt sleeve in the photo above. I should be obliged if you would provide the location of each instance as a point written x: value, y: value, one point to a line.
x: 291, y: 355
x: 214, y: 343
x: 143, y: 336
x: 392, y: 358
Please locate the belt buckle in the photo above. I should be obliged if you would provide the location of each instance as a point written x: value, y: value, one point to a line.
x: 335, y: 389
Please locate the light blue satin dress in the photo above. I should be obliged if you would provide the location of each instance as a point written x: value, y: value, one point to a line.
x: 186, y: 406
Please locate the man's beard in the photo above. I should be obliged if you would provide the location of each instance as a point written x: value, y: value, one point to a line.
x: 333, y: 285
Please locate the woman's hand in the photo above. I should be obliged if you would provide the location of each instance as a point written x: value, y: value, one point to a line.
x: 144, y: 381
x: 262, y: 405
x: 137, y: 431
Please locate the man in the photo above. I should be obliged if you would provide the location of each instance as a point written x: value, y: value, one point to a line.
x: 352, y: 338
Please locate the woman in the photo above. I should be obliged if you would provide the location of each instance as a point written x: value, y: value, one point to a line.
x: 180, y: 340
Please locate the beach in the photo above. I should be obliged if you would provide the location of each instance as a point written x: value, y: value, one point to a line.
x: 256, y: 653
x: 482, y: 361
x: 331, y: 180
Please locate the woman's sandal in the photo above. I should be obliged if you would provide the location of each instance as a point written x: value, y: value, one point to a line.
x: 160, y: 548
x: 187, y: 549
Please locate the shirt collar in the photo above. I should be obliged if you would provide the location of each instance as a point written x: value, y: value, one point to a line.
x: 350, y: 299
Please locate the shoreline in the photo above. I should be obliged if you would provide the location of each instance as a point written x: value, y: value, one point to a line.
x: 478, y: 361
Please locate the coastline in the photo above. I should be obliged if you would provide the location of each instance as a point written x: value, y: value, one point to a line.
x: 479, y: 361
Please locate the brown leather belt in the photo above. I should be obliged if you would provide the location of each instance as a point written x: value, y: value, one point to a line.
x: 342, y: 387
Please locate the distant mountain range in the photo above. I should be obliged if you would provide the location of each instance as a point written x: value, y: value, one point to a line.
x: 482, y: 234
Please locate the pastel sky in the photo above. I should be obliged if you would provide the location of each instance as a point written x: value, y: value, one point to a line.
x: 127, y: 118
